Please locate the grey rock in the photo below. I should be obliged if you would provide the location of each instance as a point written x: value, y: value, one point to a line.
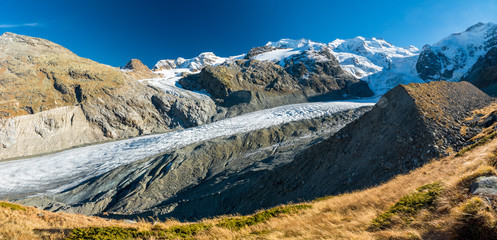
x: 484, y: 186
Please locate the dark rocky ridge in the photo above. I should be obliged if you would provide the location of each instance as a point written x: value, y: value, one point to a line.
x: 410, y: 125
x: 484, y: 73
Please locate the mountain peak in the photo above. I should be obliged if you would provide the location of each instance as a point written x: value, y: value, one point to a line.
x: 135, y: 64
x: 292, y: 43
x: 481, y: 25
x: 194, y: 64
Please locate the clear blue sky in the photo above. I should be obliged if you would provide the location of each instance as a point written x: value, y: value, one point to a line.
x: 113, y: 32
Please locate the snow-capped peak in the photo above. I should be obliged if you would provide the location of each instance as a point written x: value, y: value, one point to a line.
x: 452, y: 57
x: 371, y: 46
x: 301, y: 43
x: 373, y: 60
x: 194, y: 64
x: 376, y: 61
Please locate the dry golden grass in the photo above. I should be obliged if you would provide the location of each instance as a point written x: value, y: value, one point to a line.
x: 32, y: 223
x: 346, y: 216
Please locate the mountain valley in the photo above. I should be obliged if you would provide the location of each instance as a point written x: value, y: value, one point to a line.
x: 296, y: 132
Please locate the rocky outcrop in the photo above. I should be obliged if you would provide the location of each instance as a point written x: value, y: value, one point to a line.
x: 30, y: 134
x: 37, y: 75
x: 137, y: 70
x: 248, y: 85
x: 484, y: 73
x: 178, y: 183
x: 258, y: 50
x: 486, y: 185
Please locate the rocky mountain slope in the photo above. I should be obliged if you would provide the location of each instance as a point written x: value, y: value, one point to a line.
x: 248, y: 85
x: 75, y: 94
x: 412, y: 124
x: 484, y: 73
x: 452, y: 57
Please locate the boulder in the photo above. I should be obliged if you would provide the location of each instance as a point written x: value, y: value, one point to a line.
x: 484, y: 186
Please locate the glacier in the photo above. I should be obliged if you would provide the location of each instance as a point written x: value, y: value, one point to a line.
x: 60, y: 171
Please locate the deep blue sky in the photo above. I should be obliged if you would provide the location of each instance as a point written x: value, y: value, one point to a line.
x: 113, y: 32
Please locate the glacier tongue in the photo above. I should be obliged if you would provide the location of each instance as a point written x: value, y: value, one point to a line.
x: 60, y: 171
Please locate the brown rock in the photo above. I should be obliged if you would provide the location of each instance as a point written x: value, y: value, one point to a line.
x: 137, y: 70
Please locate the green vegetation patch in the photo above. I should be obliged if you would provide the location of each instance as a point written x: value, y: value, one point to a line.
x: 480, y: 142
x: 12, y: 206
x: 408, y: 206
x: 119, y: 233
x: 240, y: 222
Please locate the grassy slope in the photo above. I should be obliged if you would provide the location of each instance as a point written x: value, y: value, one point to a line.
x: 347, y: 216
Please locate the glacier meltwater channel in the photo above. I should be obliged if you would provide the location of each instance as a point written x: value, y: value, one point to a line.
x: 59, y: 171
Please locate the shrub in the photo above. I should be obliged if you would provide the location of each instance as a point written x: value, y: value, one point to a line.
x: 12, y: 206
x: 119, y: 233
x: 240, y: 222
x: 407, y: 207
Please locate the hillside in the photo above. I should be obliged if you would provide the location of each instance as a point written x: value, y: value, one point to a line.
x: 450, y: 211
x: 48, y: 95
x: 410, y: 125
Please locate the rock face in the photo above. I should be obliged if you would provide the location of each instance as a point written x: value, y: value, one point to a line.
x: 452, y: 57
x: 248, y: 85
x: 30, y: 134
x: 182, y: 182
x: 484, y: 186
x: 137, y: 70
x: 37, y: 75
x: 373, y: 60
x: 484, y: 73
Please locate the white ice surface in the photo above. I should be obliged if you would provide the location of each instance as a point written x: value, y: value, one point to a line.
x: 60, y: 171
x: 277, y: 55
x: 169, y: 84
